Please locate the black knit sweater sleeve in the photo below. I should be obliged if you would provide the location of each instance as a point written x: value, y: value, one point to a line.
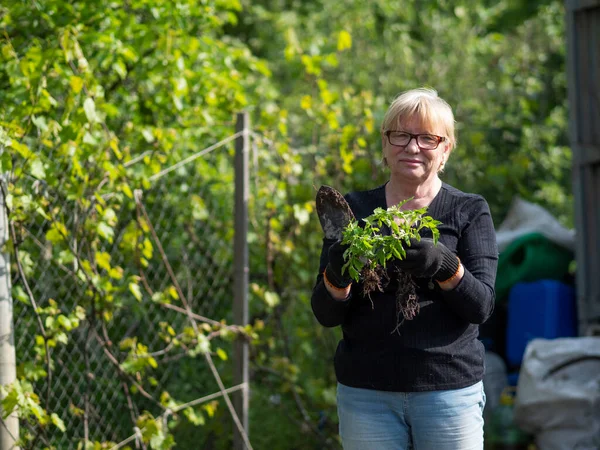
x: 473, y: 298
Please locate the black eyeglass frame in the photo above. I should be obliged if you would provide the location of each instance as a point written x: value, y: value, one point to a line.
x: 440, y: 139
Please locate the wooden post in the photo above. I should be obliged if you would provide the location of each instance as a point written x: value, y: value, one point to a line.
x: 240, y: 305
x: 9, y: 428
x: 583, y: 56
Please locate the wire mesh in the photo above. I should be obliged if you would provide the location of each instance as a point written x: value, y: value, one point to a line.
x: 191, y: 209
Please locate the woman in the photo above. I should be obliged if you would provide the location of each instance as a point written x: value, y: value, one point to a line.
x: 418, y: 385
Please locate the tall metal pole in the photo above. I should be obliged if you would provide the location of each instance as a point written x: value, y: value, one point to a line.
x: 241, y: 270
x: 9, y: 428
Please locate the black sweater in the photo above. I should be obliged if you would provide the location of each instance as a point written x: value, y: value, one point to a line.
x: 439, y: 348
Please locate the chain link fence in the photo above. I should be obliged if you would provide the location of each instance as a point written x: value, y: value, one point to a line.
x: 192, y: 211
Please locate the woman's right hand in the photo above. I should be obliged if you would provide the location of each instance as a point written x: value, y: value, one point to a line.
x: 333, y: 272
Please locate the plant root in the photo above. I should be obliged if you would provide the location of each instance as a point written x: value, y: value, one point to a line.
x: 372, y: 280
x: 407, y: 304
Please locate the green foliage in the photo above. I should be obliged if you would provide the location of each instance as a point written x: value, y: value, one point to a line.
x: 153, y: 433
x: 505, y: 81
x: 96, y: 99
x: 19, y: 397
x: 368, y: 247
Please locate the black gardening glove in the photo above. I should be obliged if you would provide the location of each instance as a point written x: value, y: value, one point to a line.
x: 333, y: 271
x: 424, y: 259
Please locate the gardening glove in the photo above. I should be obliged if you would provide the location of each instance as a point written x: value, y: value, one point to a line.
x: 424, y: 259
x: 333, y: 271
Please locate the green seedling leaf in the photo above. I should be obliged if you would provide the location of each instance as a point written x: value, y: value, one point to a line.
x: 369, y: 248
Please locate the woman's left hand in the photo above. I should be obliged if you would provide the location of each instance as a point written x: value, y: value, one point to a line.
x: 424, y: 259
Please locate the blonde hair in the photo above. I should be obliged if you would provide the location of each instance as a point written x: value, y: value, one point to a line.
x: 427, y: 107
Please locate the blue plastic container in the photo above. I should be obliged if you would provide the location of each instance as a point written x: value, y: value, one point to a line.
x: 540, y: 309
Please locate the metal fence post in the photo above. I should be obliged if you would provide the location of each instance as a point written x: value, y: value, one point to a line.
x: 240, y: 302
x: 9, y: 428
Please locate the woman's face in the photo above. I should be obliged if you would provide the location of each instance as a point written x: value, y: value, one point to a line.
x: 410, y: 162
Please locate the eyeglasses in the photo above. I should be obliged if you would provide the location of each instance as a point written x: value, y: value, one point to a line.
x: 424, y: 141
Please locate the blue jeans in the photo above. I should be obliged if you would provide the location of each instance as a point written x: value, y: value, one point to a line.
x: 433, y: 420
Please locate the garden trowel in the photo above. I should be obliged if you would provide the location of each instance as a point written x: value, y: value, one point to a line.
x: 334, y: 212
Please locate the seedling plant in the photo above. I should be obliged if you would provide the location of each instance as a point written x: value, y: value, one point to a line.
x: 369, y: 251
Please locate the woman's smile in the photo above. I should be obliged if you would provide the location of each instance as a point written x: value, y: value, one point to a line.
x: 411, y: 162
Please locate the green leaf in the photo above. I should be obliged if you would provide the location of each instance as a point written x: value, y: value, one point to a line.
x: 40, y: 123
x: 105, y: 231
x: 301, y: 214
x: 120, y: 68
x: 147, y: 133
x: 210, y: 408
x: 116, y: 273
x: 65, y: 322
x: 21, y: 149
x: 221, y: 353
x: 57, y: 421
x: 195, y: 417
x: 34, y: 407
x: 344, y: 41
x: 272, y: 299
x: 10, y: 402
x: 103, y: 260
x: 90, y: 109
x: 135, y: 289
x: 57, y: 233
x: 76, y: 84
x: 203, y: 345
x: 19, y: 294
x: 89, y: 139
x: 157, y: 439
x: 5, y: 162
x: 199, y: 210
x: 60, y: 337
